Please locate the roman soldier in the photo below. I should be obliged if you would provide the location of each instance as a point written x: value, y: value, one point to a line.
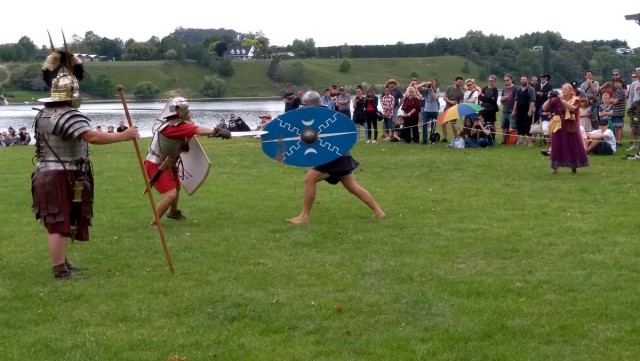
x: 170, y: 137
x: 62, y: 182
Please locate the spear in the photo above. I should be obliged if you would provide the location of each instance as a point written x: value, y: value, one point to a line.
x: 146, y: 182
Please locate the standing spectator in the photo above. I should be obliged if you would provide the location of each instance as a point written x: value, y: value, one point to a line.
x: 634, y: 95
x: 410, y: 116
x: 542, y: 90
x: 618, y: 100
x: 489, y: 101
x: 387, y: 112
x: 358, y: 110
x: 585, y: 114
x: 334, y: 96
x: 397, y: 95
x: 533, y: 81
x: 25, y: 137
x: 508, y: 100
x: 121, y: 127
x: 371, y: 115
x: 297, y: 100
x: 591, y: 88
x: 327, y: 100
x: 523, y: 109
x: 472, y: 92
x: 617, y: 75
x: 431, y: 108
x: 344, y: 102
x: 453, y: 95
x: 634, y: 115
x: 288, y: 97
x: 631, y: 88
x: 566, y: 138
x: 605, y: 110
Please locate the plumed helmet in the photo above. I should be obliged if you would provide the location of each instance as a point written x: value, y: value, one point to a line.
x: 62, y: 72
x: 172, y: 104
x: 311, y: 99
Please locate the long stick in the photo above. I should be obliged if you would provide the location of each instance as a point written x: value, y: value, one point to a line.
x: 146, y: 182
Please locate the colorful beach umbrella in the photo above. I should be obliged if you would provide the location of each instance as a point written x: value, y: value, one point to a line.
x: 459, y: 111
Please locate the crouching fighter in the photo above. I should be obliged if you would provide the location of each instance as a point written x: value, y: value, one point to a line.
x: 62, y: 183
x: 170, y: 138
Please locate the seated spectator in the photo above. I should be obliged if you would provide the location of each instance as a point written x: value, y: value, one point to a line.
x: 469, y: 140
x: 232, y: 123
x: 222, y: 124
x: 264, y: 120
x: 121, y: 127
x: 110, y: 129
x: 396, y: 136
x: 25, y: 137
x: 601, y: 141
x: 10, y: 137
x: 483, y: 132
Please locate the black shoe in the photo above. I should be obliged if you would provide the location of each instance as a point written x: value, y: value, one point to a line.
x: 545, y: 152
x: 444, y: 140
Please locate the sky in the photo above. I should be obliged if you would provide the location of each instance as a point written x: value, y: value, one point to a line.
x: 327, y: 23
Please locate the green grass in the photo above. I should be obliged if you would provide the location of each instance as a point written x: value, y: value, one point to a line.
x: 484, y: 256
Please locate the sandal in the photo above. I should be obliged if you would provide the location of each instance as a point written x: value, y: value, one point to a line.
x: 176, y: 215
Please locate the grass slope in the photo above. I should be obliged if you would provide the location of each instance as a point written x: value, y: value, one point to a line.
x: 250, y: 77
x: 484, y: 256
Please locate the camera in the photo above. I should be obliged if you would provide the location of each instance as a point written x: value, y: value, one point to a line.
x: 553, y: 94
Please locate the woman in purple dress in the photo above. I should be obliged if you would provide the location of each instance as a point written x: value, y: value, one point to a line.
x: 566, y: 137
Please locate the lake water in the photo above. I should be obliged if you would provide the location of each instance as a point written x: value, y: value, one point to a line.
x: 144, y: 114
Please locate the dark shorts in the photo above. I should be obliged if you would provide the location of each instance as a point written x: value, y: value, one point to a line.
x: 603, y: 148
x: 338, y: 168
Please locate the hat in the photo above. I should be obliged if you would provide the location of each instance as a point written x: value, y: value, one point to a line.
x: 392, y: 81
x: 545, y: 76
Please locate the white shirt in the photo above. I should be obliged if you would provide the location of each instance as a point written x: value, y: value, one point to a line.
x: 609, y: 137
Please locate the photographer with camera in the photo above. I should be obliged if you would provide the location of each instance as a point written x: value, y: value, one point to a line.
x: 431, y: 107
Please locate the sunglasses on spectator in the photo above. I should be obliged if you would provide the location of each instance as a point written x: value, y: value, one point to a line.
x: 633, y: 76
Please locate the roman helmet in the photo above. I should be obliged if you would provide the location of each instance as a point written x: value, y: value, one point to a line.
x: 62, y: 72
x: 176, y: 106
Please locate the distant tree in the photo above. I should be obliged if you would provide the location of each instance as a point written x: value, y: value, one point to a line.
x: 28, y: 77
x: 465, y: 68
x: 171, y: 55
x: 297, y: 74
x: 30, y: 49
x: 220, y: 47
x: 146, y: 90
x: 345, y: 51
x: 547, y: 67
x: 103, y: 86
x: 345, y: 66
x: 225, y: 67
x: 213, y: 87
x: 275, y: 71
x: 173, y: 43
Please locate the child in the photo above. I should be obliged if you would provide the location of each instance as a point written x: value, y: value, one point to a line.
x: 585, y: 114
x: 605, y: 110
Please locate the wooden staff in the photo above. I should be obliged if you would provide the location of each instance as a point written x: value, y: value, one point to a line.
x: 146, y: 182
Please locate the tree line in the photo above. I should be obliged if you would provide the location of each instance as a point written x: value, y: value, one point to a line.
x: 565, y: 60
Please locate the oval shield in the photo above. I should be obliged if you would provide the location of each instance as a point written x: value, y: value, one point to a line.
x: 308, y: 137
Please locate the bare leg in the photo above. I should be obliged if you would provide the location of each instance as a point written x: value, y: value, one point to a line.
x: 57, y: 248
x: 350, y: 183
x: 454, y: 129
x: 310, y: 179
x: 174, y: 205
x: 169, y: 200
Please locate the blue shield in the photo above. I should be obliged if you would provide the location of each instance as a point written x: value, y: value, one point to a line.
x: 308, y: 137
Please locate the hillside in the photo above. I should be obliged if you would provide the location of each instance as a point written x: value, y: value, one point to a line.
x: 250, y: 77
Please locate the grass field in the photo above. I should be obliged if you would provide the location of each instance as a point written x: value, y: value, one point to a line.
x: 484, y: 256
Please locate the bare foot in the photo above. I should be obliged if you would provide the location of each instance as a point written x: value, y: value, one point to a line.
x: 299, y: 219
x: 379, y: 214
